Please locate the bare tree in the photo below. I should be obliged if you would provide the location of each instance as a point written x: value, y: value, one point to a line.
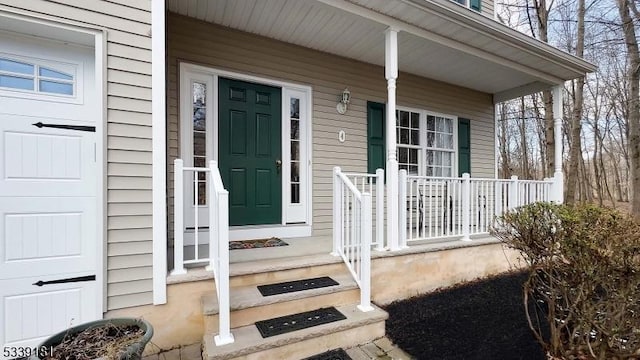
x: 633, y: 65
x: 575, y: 151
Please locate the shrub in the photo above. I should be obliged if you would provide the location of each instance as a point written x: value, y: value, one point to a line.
x: 584, y: 278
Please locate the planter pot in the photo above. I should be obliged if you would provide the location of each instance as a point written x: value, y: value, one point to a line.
x: 133, y: 351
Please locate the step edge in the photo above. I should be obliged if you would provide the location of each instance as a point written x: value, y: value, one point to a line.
x: 345, y: 283
x: 377, y: 316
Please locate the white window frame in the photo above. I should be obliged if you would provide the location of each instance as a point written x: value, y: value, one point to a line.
x: 296, y: 218
x: 423, y: 148
x: 467, y: 4
x: 73, y: 69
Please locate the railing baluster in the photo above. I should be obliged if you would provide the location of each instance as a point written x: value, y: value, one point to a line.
x: 178, y: 219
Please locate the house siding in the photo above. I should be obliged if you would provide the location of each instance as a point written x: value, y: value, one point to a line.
x: 127, y: 26
x: 197, y: 42
x: 487, y: 8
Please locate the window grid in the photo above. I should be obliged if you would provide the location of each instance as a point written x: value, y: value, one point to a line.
x: 294, y: 118
x: 434, y: 155
x: 39, y: 79
x: 199, y: 110
x: 408, y: 139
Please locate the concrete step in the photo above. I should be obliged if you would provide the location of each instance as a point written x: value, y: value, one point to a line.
x: 359, y: 328
x: 249, y: 306
x: 271, y: 271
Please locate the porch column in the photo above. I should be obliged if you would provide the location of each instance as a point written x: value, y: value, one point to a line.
x: 391, y: 74
x: 558, y: 176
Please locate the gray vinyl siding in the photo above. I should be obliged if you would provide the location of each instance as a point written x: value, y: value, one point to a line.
x: 128, y: 73
x: 194, y: 41
x: 486, y: 8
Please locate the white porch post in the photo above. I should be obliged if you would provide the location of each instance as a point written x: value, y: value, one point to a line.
x: 558, y: 176
x: 391, y: 74
x: 159, y: 158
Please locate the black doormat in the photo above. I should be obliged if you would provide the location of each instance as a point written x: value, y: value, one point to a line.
x: 336, y: 354
x: 298, y: 285
x: 285, y: 324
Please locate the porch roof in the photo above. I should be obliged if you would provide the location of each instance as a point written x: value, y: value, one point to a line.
x: 438, y: 39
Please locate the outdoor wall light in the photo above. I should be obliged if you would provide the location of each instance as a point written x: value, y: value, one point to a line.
x: 343, y: 101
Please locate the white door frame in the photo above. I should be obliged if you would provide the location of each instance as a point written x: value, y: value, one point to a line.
x: 74, y: 32
x: 187, y: 73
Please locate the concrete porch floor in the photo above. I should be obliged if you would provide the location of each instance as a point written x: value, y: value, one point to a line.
x: 380, y: 349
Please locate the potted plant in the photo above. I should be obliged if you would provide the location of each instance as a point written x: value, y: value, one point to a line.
x: 118, y: 338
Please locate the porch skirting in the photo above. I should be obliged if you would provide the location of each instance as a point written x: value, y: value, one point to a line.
x: 395, y: 276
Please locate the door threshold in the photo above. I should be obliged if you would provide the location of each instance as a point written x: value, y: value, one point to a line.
x: 251, y: 232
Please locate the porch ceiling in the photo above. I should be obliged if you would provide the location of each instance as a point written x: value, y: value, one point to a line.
x: 438, y: 39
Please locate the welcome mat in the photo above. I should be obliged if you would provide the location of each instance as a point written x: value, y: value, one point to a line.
x: 285, y: 324
x: 297, y: 285
x: 255, y: 244
x: 337, y: 354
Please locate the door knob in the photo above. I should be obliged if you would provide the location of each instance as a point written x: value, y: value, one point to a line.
x: 278, y: 163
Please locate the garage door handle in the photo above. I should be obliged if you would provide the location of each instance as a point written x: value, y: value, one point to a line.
x: 40, y: 125
x: 68, y: 280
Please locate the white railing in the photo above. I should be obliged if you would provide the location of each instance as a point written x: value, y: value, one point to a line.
x: 373, y: 184
x: 459, y: 207
x: 218, y: 258
x: 352, y: 223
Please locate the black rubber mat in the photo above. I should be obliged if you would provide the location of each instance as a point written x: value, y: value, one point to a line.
x: 285, y: 324
x: 336, y: 354
x: 298, y: 285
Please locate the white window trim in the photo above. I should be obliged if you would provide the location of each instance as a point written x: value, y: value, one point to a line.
x: 292, y: 224
x: 74, y: 69
x: 422, y: 165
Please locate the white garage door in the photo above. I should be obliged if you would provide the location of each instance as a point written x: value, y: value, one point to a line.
x: 48, y: 184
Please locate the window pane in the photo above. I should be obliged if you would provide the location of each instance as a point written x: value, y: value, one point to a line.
x: 404, y: 118
x: 446, y: 159
x: 295, y: 108
x: 413, y: 156
x: 429, y: 159
x: 440, y: 124
x: 54, y: 74
x: 429, y: 171
x: 430, y: 139
x: 403, y: 155
x: 199, y: 118
x: 415, y: 123
x: 404, y: 136
x: 413, y: 170
x: 431, y: 123
x: 449, y: 126
x: 295, y: 150
x: 295, y: 129
x: 437, y: 158
x: 295, y: 171
x: 295, y: 193
x: 199, y: 94
x: 447, y: 141
x: 415, y: 137
x: 56, y: 87
x: 446, y: 172
x: 14, y: 82
x: 16, y: 67
x: 199, y: 161
x: 202, y: 193
x: 199, y: 143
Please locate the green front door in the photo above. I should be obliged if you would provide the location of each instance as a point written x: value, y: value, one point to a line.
x: 250, y: 151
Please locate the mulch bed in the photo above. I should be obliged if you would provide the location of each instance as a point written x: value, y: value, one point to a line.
x: 483, y: 319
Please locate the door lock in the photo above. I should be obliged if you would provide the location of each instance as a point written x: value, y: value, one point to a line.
x: 278, y: 164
